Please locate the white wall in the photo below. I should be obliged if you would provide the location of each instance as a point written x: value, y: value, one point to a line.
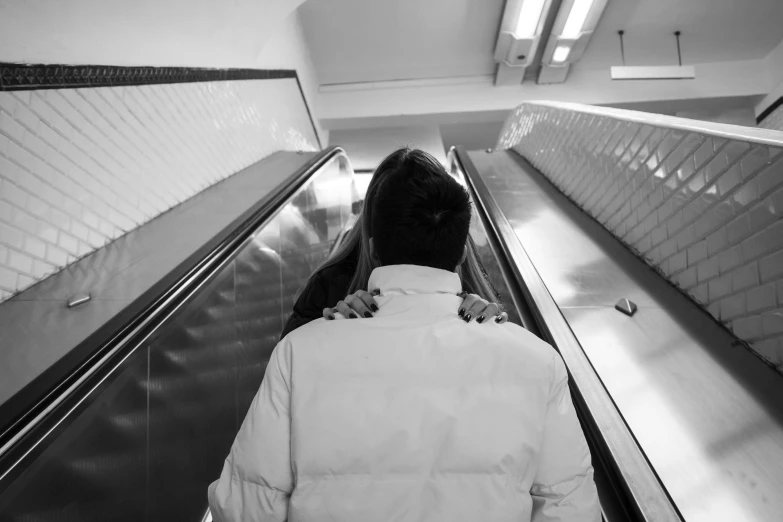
x: 204, y: 33
x: 713, y: 80
x: 744, y: 116
x: 287, y: 49
x: 81, y: 167
x: 367, y: 147
x: 702, y: 210
x: 255, y: 34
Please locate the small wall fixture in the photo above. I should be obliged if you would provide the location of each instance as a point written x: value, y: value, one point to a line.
x: 658, y: 72
x: 78, y: 299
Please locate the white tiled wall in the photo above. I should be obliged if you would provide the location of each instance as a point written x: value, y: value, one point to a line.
x: 773, y: 120
x: 80, y: 167
x: 705, y: 211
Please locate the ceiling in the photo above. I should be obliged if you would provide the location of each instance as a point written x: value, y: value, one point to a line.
x: 362, y: 41
x: 381, y: 40
x: 712, y: 31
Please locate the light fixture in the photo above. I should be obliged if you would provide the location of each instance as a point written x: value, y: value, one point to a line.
x: 652, y: 72
x: 561, y: 54
x: 576, y: 19
x: 528, y: 18
x: 520, y: 34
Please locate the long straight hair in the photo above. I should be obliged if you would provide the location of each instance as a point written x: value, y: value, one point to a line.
x: 355, y: 245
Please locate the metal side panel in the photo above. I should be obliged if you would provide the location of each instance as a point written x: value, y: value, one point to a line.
x: 42, y: 340
x: 707, y: 413
x: 146, y: 441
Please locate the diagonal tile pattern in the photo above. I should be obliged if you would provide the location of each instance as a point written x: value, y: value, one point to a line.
x: 704, y: 210
x: 81, y: 167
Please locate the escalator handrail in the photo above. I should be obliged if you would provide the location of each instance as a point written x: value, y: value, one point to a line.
x: 754, y: 135
x: 65, y: 397
x: 651, y: 501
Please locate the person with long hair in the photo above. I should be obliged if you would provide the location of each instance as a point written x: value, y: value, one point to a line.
x: 413, y: 415
x: 339, y: 284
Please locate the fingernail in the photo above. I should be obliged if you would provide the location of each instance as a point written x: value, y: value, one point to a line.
x: 329, y: 317
x: 461, y: 312
x: 367, y: 314
x: 480, y: 319
x: 467, y: 318
x: 376, y: 291
x: 373, y: 308
x: 498, y: 319
x: 353, y: 316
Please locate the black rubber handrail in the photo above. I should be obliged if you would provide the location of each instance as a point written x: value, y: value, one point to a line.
x: 27, y: 436
x: 645, y: 496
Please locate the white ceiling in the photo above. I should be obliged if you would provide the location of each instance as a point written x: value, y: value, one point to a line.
x: 380, y: 40
x: 712, y: 31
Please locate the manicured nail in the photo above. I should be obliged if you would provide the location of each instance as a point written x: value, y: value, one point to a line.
x: 461, y: 312
x: 376, y: 291
x: 467, y: 318
x: 330, y: 318
x: 353, y: 316
x: 367, y: 314
x: 480, y: 319
x: 373, y: 308
x: 498, y: 319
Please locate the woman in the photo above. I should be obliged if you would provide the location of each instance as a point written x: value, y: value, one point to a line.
x: 339, y: 284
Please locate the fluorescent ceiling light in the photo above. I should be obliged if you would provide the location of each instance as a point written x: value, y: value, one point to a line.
x: 657, y: 72
x: 561, y: 54
x: 576, y: 19
x: 528, y: 19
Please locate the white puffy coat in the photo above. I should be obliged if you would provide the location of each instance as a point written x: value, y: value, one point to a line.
x: 413, y: 415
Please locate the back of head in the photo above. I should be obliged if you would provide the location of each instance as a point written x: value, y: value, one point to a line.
x: 420, y: 214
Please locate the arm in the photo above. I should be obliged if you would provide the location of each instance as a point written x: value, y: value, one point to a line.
x: 563, y: 489
x: 257, y: 478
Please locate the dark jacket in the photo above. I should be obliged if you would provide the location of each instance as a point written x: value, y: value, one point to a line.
x: 322, y: 291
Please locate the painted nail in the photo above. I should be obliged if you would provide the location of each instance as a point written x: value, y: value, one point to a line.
x: 330, y: 318
x: 367, y: 314
x: 498, y: 319
x: 461, y: 312
x: 353, y: 316
x: 373, y: 308
x: 467, y: 318
x: 480, y: 319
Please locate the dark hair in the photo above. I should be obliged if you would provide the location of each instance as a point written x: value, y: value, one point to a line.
x: 421, y: 215
x: 355, y: 246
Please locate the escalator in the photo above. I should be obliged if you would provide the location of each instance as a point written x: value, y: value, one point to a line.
x: 627, y: 486
x: 143, y: 431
